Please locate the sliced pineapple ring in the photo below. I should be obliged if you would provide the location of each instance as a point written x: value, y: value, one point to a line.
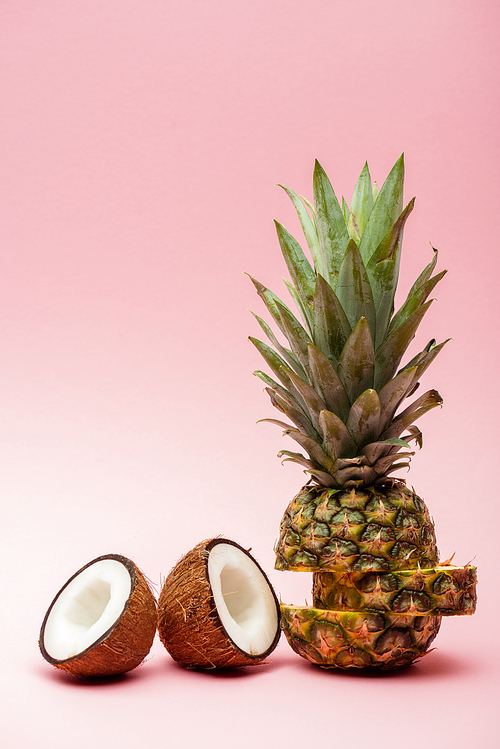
x: 445, y: 589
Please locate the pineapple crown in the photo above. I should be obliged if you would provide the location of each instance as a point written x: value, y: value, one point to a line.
x: 338, y: 381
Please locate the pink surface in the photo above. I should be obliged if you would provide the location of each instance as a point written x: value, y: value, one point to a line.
x: 140, y: 145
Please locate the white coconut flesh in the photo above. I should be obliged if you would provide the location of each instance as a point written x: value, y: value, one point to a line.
x: 86, y: 608
x: 245, y: 604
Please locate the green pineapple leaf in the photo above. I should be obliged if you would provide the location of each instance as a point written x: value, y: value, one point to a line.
x: 357, y: 361
x: 306, y: 317
x: 331, y: 328
x: 328, y: 383
x: 413, y: 302
x: 301, y: 421
x: 302, y: 275
x: 312, y: 448
x: 297, y: 337
x: 362, y: 200
x: 364, y: 417
x: 426, y: 273
x: 287, y: 355
x: 377, y: 450
x: 298, y: 458
x: 385, y: 211
x: 390, y: 353
x: 418, y: 408
x: 354, y: 290
x: 309, y: 229
x: 313, y: 401
x: 332, y: 231
x: 336, y: 437
x: 283, y: 392
x: 269, y: 299
x: 393, y: 393
x: 383, y: 272
x: 277, y: 366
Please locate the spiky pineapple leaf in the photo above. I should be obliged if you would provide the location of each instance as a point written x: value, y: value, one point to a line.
x: 376, y: 450
x: 357, y: 361
x: 308, y: 227
x: 385, y: 211
x: 362, y: 199
x: 336, y: 437
x: 313, y: 401
x: 364, y: 417
x: 383, y: 271
x: 328, y: 383
x: 312, y: 448
x: 302, y: 275
x: 390, y: 353
x: 393, y: 393
x: 418, y: 408
x: 277, y: 365
x: 331, y: 327
x: 269, y: 298
x: 298, y: 458
x: 283, y: 392
x: 287, y: 355
x: 426, y: 273
x: 332, y: 231
x: 356, y: 475
x: 428, y: 356
x: 324, y: 479
x: 346, y: 211
x: 306, y: 314
x: 354, y: 290
x: 415, y: 300
x: 301, y: 421
x: 297, y: 337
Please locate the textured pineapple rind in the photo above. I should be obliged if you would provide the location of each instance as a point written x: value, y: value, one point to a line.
x: 373, y: 529
x: 446, y: 590
x: 354, y: 639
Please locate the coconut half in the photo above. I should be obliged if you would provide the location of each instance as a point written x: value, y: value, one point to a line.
x: 217, y: 608
x: 103, y: 620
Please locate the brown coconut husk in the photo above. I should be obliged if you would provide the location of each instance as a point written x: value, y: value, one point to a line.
x: 188, y: 623
x: 124, y: 645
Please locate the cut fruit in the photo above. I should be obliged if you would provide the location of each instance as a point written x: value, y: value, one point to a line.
x: 445, y: 589
x: 217, y: 608
x: 103, y: 620
x: 355, y: 639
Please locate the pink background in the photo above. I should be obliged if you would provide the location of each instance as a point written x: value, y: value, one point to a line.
x: 140, y: 147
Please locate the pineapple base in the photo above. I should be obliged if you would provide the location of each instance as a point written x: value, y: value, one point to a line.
x: 357, y: 639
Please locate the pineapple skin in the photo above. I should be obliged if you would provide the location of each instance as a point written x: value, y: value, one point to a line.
x: 352, y: 639
x: 372, y: 529
x: 443, y: 590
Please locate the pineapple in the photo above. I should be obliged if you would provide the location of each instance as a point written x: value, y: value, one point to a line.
x: 379, y: 591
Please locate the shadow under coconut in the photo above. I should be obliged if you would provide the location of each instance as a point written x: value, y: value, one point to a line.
x: 228, y: 672
x: 102, y: 682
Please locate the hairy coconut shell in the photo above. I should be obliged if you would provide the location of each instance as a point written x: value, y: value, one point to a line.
x: 126, y: 643
x: 189, y: 625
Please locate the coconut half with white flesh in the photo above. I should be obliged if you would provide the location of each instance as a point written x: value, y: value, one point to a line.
x: 103, y: 620
x: 217, y: 608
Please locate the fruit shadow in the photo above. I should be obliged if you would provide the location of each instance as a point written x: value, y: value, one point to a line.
x: 229, y: 673
x: 102, y: 682
x: 434, y: 665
